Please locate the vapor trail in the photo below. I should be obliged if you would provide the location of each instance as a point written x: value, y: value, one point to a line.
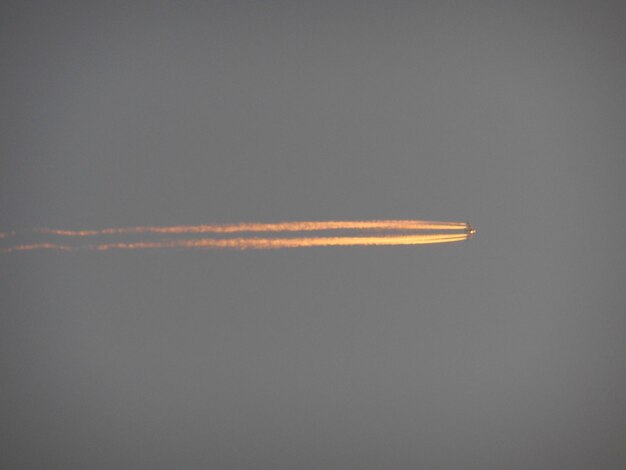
x: 39, y: 246
x: 298, y: 226
x: 276, y: 243
x: 347, y: 233
x: 253, y: 243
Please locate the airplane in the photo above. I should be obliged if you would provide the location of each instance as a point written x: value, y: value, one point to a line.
x: 469, y: 229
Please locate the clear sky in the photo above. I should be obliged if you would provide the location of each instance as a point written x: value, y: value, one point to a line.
x: 505, y: 351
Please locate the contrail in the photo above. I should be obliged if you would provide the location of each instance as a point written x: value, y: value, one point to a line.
x: 252, y: 243
x: 361, y: 233
x: 300, y: 226
x: 275, y: 243
x: 39, y: 246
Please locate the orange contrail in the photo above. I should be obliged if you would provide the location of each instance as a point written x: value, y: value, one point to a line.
x: 276, y: 243
x: 38, y: 246
x: 253, y: 243
x: 363, y: 233
x: 299, y: 226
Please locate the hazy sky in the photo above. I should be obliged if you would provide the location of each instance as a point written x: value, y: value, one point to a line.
x: 506, y: 351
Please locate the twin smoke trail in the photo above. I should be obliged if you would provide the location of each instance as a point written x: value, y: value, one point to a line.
x: 347, y: 233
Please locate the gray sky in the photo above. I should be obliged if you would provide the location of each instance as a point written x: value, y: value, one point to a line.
x: 506, y: 351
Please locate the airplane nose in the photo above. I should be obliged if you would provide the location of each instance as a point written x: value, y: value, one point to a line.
x: 470, y: 230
